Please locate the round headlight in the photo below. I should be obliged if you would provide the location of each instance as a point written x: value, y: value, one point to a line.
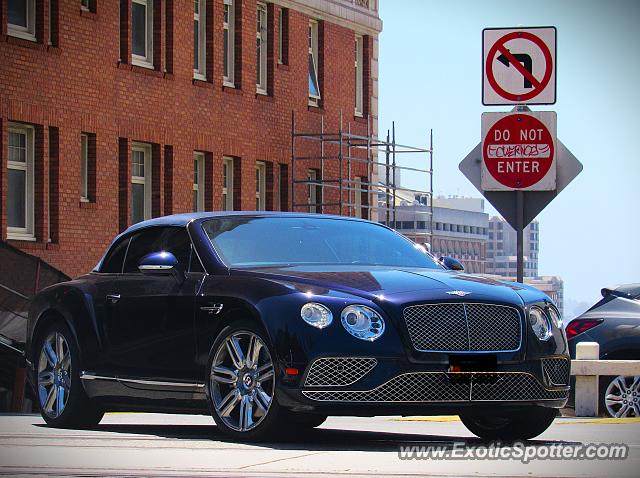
x: 362, y: 322
x: 540, y: 323
x: 555, y: 316
x: 316, y: 315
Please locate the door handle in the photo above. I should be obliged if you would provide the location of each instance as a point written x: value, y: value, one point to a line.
x: 113, y: 298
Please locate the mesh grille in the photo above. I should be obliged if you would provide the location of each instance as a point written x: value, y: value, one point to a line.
x: 437, y: 387
x: 463, y: 327
x: 556, y: 370
x: 338, y: 371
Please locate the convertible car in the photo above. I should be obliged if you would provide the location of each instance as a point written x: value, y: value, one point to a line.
x: 274, y: 321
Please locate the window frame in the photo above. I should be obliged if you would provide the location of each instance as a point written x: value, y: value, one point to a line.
x: 313, y: 52
x: 84, y: 167
x: 312, y: 191
x: 228, y: 27
x: 200, y: 73
x: 145, y: 180
x: 281, y: 36
x: 26, y: 233
x: 261, y: 186
x: 28, y: 32
x: 145, y: 61
x: 261, y: 52
x: 359, y: 72
x: 227, y: 184
x: 198, y: 180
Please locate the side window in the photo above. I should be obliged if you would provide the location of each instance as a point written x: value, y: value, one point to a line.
x: 112, y: 263
x: 142, y: 243
x: 157, y: 239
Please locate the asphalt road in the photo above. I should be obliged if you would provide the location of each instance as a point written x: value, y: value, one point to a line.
x: 166, y: 445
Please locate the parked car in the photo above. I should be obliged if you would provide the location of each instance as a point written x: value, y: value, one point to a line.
x: 269, y: 319
x: 614, y: 323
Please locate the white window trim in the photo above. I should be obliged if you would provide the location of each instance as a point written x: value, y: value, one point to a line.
x: 28, y: 33
x: 84, y: 5
x: 261, y: 58
x: 261, y: 185
x: 84, y: 167
x: 313, y: 51
x: 198, y: 185
x: 229, y: 80
x: 201, y: 17
x: 26, y: 233
x: 146, y: 180
x: 359, y: 71
x: 147, y: 60
x: 227, y: 190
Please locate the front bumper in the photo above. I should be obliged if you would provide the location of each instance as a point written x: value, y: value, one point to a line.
x: 376, y: 386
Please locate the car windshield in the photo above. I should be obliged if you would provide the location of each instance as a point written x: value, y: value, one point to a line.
x: 249, y: 242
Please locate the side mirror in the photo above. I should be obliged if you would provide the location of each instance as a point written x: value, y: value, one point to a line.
x: 451, y: 263
x: 161, y: 263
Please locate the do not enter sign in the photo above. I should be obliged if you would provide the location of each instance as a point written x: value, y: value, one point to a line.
x: 518, y: 151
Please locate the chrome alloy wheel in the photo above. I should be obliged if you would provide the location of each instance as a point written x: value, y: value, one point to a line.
x: 622, y: 397
x: 54, y: 375
x: 242, y: 381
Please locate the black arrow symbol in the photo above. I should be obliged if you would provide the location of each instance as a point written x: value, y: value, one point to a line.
x: 526, y: 62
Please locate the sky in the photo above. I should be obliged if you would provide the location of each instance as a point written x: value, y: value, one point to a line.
x: 430, y: 78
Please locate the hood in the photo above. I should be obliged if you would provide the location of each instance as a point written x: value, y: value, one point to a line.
x: 402, y: 283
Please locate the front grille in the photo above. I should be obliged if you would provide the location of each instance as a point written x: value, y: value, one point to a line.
x: 438, y: 387
x: 463, y: 327
x: 556, y: 370
x: 338, y: 371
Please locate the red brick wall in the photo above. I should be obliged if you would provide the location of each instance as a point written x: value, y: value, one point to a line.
x: 77, y: 85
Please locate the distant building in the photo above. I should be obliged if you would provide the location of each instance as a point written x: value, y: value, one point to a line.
x: 460, y: 227
x: 553, y: 286
x: 502, y: 249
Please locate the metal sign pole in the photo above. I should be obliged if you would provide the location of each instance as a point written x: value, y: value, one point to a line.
x: 520, y: 234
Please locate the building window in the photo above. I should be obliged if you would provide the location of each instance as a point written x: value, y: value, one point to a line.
x: 200, y: 39
x: 359, y: 68
x: 198, y: 182
x: 314, y: 86
x: 20, y: 183
x: 314, y: 193
x: 228, y: 41
x: 261, y: 186
x: 261, y: 49
x: 142, y: 33
x: 84, y: 168
x: 22, y: 19
x: 227, y: 184
x: 140, y: 182
x: 88, y: 5
x: 283, y: 36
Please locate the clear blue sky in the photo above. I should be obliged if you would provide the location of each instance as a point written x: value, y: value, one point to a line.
x: 430, y: 66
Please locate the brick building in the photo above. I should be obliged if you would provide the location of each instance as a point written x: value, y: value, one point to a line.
x: 116, y: 111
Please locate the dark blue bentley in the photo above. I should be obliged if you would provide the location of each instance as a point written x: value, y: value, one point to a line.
x: 268, y: 318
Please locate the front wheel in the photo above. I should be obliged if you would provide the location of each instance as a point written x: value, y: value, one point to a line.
x: 523, y: 424
x: 241, y: 384
x: 63, y: 401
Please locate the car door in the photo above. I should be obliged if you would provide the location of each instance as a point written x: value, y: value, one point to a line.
x: 151, y: 334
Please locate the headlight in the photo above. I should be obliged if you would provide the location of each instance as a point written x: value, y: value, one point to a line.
x: 540, y: 323
x: 316, y: 315
x: 555, y: 316
x: 362, y: 322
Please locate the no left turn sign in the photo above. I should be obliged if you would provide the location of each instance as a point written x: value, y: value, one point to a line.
x: 519, y: 66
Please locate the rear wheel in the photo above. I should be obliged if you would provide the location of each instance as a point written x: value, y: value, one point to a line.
x: 62, y: 399
x: 620, y: 396
x: 519, y: 425
x: 241, y: 384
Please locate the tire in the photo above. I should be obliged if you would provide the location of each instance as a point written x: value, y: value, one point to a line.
x: 60, y: 395
x: 508, y: 426
x: 620, y: 396
x: 241, y: 378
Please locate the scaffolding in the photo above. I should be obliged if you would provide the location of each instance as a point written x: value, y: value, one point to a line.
x: 383, y: 194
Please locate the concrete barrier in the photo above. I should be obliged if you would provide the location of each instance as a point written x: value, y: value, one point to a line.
x: 587, y: 368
